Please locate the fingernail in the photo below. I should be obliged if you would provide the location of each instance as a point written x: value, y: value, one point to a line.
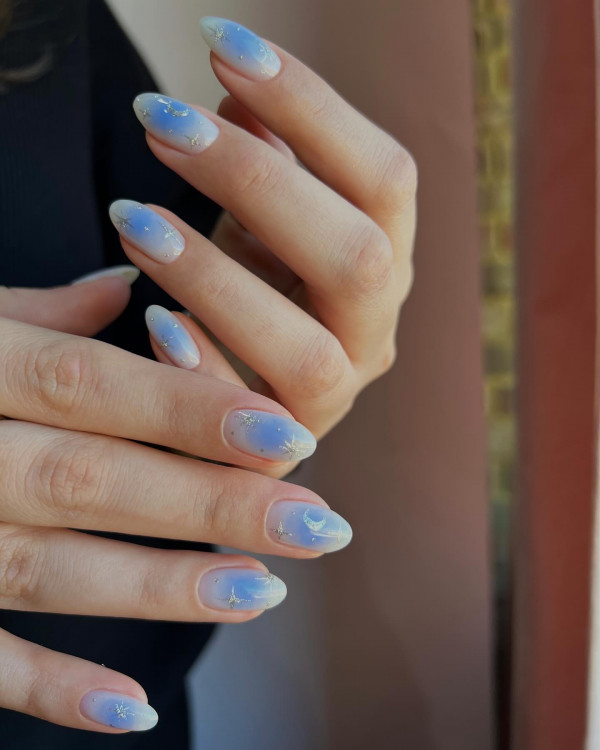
x: 307, y: 526
x: 241, y: 589
x: 240, y: 48
x: 172, y: 337
x: 267, y: 435
x: 118, y: 711
x: 147, y: 230
x: 175, y: 123
x: 129, y: 273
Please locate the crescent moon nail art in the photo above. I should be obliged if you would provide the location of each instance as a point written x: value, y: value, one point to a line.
x: 307, y: 526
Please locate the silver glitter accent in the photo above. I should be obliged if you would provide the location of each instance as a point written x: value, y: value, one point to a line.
x: 123, y: 221
x: 146, y: 229
x: 293, y: 449
x: 269, y: 578
x: 146, y: 114
x: 169, y: 231
x: 248, y: 420
x: 122, y: 711
x: 232, y: 599
x: 195, y: 140
x: 280, y: 531
x: 218, y: 34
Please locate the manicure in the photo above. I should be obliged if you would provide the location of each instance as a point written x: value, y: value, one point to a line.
x: 128, y: 273
x: 240, y: 48
x: 307, y: 526
x: 118, y: 711
x: 267, y: 435
x: 245, y: 589
x: 147, y: 230
x: 172, y: 337
x: 174, y: 122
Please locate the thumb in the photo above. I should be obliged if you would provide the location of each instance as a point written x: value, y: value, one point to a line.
x: 83, y: 308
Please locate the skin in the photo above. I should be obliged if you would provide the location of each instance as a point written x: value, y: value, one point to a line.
x: 318, y: 257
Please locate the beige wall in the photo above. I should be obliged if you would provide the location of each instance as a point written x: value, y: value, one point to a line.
x: 386, y: 645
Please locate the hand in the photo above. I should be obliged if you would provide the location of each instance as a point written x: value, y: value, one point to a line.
x: 67, y: 462
x: 310, y: 275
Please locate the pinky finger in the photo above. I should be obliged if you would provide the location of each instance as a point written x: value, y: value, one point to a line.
x: 70, y: 691
x: 177, y: 340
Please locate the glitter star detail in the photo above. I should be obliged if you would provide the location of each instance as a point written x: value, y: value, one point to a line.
x: 123, y: 221
x: 269, y: 578
x: 218, y: 34
x: 195, y: 140
x: 280, y: 531
x: 233, y: 600
x: 145, y: 113
x: 169, y: 231
x: 122, y: 711
x: 248, y: 420
x: 164, y: 342
x: 292, y: 449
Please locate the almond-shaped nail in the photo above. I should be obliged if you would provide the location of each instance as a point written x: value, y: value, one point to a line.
x: 307, y: 526
x: 239, y: 47
x: 128, y: 273
x: 118, y: 711
x: 175, y: 123
x: 245, y: 589
x: 172, y: 337
x: 267, y: 435
x: 147, y: 230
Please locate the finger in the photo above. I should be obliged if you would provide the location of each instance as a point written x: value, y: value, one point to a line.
x: 337, y: 143
x: 82, y: 384
x: 56, y: 478
x: 84, y: 308
x: 304, y: 363
x: 55, y: 570
x: 69, y: 691
x: 190, y: 349
x: 235, y: 113
x: 345, y: 259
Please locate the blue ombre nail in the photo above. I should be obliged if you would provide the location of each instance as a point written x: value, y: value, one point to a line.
x: 240, y: 48
x: 243, y: 589
x: 175, y: 123
x: 147, y: 230
x: 118, y: 711
x: 307, y: 526
x: 172, y: 337
x: 267, y: 435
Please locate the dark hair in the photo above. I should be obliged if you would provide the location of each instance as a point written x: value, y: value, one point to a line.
x: 32, y: 33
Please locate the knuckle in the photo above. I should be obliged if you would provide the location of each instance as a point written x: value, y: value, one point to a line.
x: 213, y: 514
x: 19, y: 568
x: 369, y: 263
x: 258, y: 172
x: 398, y: 181
x: 71, y: 474
x: 62, y: 377
x: 323, y: 367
